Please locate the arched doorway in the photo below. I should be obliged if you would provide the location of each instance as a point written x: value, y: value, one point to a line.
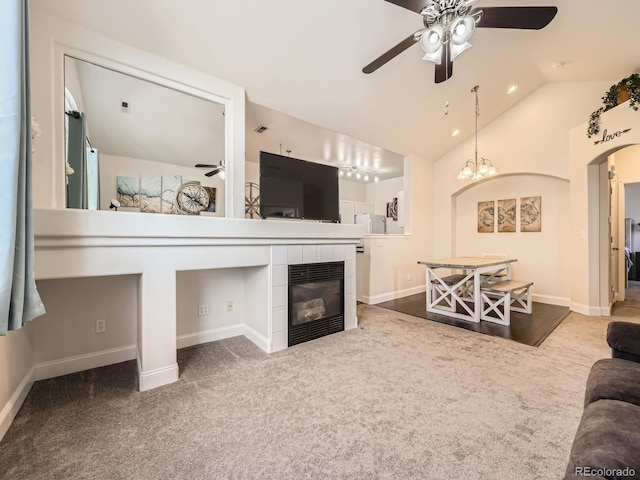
x: 625, y: 201
x: 608, y: 174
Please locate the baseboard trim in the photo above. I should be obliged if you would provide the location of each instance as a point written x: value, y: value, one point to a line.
x: 551, y: 300
x: 589, y: 310
x: 385, y: 297
x: 87, y: 361
x: 158, y: 377
x: 260, y: 340
x: 12, y: 407
x: 207, y: 336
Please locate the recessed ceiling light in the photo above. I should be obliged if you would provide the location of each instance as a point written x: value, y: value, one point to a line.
x: 455, y: 133
x: 512, y: 89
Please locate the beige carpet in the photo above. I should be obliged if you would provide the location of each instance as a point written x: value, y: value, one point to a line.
x: 397, y: 398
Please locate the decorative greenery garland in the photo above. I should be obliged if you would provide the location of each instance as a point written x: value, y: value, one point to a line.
x: 610, y: 100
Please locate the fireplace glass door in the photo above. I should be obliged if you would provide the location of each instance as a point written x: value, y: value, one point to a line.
x: 316, y: 300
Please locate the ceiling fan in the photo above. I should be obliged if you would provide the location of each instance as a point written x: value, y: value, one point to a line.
x: 449, y: 25
x: 216, y: 169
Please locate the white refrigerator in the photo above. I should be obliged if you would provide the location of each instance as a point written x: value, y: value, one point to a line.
x: 372, y: 223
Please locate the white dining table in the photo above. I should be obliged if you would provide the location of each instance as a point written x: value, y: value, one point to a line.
x: 461, y: 298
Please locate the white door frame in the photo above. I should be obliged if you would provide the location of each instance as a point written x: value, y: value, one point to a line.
x: 622, y: 215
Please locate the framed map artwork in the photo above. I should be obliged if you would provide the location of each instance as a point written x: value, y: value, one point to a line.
x: 531, y: 214
x: 507, y: 215
x: 486, y: 217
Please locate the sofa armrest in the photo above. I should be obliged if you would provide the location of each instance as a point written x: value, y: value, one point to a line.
x: 624, y: 340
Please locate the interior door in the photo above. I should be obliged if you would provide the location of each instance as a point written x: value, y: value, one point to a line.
x: 613, y: 238
x: 621, y: 226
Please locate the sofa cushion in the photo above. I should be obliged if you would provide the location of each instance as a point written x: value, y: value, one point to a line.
x: 608, y: 437
x: 624, y: 340
x: 613, y: 379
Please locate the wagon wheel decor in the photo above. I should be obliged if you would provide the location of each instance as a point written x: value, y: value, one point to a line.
x: 251, y: 200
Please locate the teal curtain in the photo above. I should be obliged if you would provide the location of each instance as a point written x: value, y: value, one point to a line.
x: 77, y: 186
x: 19, y: 299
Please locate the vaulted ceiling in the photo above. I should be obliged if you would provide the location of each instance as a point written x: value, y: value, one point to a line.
x: 305, y: 58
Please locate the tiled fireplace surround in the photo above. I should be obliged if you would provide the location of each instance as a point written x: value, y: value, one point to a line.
x: 79, y: 243
x: 284, y: 255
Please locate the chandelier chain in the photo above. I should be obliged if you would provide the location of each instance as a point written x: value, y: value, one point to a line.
x: 476, y: 169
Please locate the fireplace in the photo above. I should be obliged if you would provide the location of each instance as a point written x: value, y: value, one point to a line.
x: 316, y: 300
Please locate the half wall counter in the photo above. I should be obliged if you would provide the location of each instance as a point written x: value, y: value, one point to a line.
x: 156, y: 248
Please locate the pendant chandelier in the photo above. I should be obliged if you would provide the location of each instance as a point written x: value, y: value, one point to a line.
x: 473, y: 168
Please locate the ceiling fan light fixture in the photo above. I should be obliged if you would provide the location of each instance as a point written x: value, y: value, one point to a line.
x: 458, y: 49
x: 462, y: 29
x: 435, y: 57
x: 431, y: 40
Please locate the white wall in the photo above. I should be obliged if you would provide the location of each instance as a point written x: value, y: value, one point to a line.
x: 632, y: 210
x: 533, y: 138
x: 213, y: 288
x: 382, y: 192
x: 627, y: 163
x: 16, y: 373
x: 72, y: 83
x: 393, y: 268
x: 68, y: 329
x: 541, y: 256
x: 112, y: 166
x: 354, y: 191
x: 252, y: 172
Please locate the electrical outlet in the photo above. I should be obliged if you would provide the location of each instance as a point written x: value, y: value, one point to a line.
x: 229, y: 305
x: 101, y: 326
x: 408, y: 277
x: 203, y: 310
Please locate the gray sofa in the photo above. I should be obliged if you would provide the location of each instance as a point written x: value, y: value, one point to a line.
x: 607, y: 443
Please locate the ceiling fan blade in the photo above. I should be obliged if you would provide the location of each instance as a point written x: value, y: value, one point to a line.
x: 212, y: 172
x: 528, y: 18
x: 413, y: 5
x: 204, y: 165
x: 392, y: 53
x: 444, y: 71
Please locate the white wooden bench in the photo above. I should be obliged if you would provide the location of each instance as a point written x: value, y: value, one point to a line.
x: 500, y: 298
x: 443, y: 288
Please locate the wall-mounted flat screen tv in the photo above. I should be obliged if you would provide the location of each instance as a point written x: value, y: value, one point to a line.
x: 293, y: 188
